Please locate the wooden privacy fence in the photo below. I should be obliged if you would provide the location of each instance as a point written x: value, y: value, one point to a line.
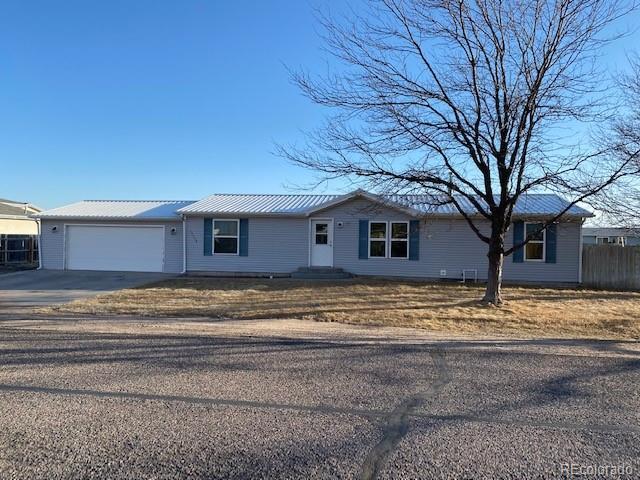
x: 611, y: 266
x: 18, y: 249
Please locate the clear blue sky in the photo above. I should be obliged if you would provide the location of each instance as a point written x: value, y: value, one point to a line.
x: 153, y: 98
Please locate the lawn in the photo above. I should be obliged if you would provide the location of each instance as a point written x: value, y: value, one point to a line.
x: 440, y: 307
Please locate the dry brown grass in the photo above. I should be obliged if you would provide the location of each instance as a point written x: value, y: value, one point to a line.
x: 440, y: 307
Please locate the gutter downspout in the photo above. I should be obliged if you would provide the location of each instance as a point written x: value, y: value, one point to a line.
x: 580, y: 259
x: 38, y: 222
x: 184, y: 244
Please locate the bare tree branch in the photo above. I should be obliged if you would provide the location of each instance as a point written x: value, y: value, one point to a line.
x: 465, y: 100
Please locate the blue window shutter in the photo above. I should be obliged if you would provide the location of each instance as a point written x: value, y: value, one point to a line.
x: 208, y: 236
x: 414, y: 240
x: 518, y: 237
x: 551, y: 241
x: 363, y: 247
x: 244, y: 237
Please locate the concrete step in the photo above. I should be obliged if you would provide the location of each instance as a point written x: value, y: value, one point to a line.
x: 320, y: 276
x: 320, y: 273
x: 319, y: 270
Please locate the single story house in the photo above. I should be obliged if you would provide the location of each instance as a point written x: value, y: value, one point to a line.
x: 18, y: 232
x: 361, y: 233
x: 624, y: 237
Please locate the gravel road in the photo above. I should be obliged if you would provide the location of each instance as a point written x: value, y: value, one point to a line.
x: 76, y: 403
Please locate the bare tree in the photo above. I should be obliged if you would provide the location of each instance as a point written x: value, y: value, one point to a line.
x: 468, y: 102
x: 621, y: 204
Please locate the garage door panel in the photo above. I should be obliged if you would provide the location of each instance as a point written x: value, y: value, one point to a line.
x: 118, y: 248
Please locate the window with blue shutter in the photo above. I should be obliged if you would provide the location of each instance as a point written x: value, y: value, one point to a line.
x: 244, y: 237
x: 551, y: 243
x: 363, y: 240
x: 414, y: 240
x: 518, y: 237
x: 208, y: 237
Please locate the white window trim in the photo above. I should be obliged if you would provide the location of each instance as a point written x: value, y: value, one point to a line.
x: 391, y: 239
x: 213, y: 235
x: 387, y: 239
x: 386, y: 236
x: 543, y: 242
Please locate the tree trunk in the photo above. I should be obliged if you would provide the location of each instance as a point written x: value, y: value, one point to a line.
x: 493, y: 294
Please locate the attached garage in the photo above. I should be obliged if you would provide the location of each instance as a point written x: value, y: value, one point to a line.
x: 114, y: 235
x: 133, y: 248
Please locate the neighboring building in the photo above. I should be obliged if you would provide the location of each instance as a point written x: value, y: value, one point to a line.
x: 625, y: 237
x: 18, y: 232
x: 361, y: 233
x: 15, y: 218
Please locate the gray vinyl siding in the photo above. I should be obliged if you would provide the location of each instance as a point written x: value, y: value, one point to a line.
x: 568, y: 258
x: 52, y: 243
x: 445, y: 244
x: 281, y: 245
x: 276, y: 245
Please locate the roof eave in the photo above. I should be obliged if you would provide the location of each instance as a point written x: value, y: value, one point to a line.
x: 100, y: 218
x: 547, y: 215
x: 15, y: 217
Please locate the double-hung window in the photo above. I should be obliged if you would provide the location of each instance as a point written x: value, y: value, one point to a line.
x: 225, y: 237
x: 399, y: 240
x: 378, y: 239
x: 388, y: 239
x: 534, y: 251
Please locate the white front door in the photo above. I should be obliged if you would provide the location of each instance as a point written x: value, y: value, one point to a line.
x: 322, y: 243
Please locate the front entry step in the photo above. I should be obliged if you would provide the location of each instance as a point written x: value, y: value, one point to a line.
x: 320, y: 273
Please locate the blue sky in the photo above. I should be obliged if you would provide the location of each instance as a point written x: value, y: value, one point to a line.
x: 150, y: 99
x: 153, y: 99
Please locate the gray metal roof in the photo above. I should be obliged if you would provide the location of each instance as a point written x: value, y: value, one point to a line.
x: 295, y: 205
x: 259, y: 204
x: 17, y: 209
x: 531, y: 204
x: 118, y: 209
x: 534, y: 204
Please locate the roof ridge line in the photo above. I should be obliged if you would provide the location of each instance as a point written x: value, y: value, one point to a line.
x: 276, y: 194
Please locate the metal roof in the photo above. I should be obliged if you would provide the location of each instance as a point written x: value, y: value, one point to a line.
x: 118, y: 209
x: 294, y: 205
x: 17, y: 209
x: 535, y: 204
x: 259, y: 204
x: 530, y: 204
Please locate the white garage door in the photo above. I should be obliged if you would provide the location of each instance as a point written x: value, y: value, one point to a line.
x: 133, y: 249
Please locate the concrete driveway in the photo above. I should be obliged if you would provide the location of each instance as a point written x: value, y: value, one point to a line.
x: 20, y: 290
x: 160, y: 398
